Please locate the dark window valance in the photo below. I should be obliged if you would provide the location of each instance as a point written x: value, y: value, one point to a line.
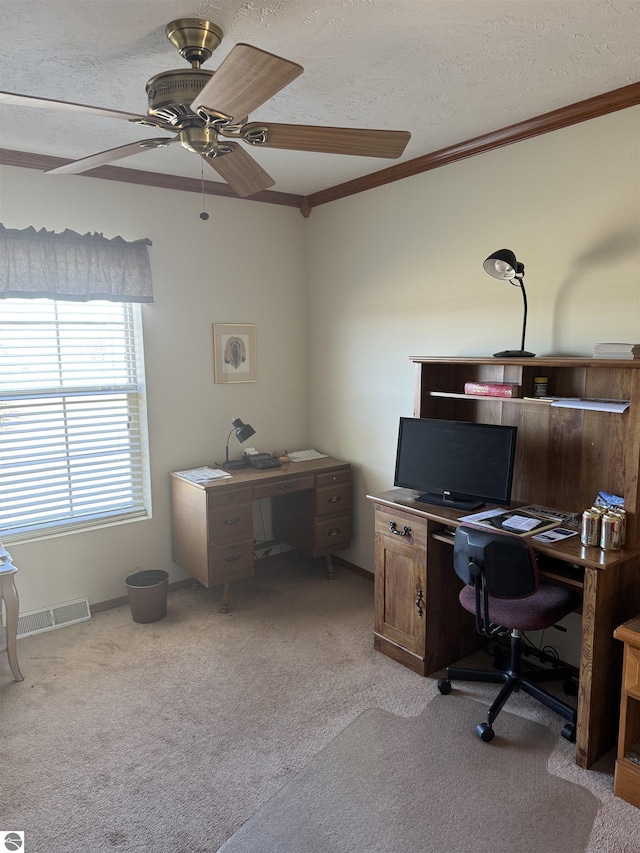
x: 43, y: 264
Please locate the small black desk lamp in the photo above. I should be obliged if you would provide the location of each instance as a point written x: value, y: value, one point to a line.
x: 503, y: 265
x: 243, y: 432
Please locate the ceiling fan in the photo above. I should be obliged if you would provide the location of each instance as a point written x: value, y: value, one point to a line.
x: 208, y: 111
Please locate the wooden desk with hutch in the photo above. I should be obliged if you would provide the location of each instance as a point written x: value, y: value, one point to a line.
x: 212, y: 523
x: 563, y: 458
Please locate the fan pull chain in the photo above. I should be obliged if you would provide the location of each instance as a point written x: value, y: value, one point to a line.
x: 204, y: 215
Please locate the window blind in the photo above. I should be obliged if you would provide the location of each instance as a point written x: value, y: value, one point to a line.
x: 73, y: 441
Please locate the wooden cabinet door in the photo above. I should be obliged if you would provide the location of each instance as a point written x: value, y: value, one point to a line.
x: 400, y: 612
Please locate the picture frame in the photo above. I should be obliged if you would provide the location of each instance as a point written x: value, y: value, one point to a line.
x: 234, y: 352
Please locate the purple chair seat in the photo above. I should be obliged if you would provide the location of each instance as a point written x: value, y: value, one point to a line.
x: 544, y: 608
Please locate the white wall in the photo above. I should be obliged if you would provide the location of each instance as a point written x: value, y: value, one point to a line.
x: 397, y: 272
x: 244, y: 265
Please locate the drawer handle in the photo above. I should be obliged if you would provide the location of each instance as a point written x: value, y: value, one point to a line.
x: 334, y: 531
x: 231, y: 520
x: 233, y: 558
x: 394, y: 529
x: 286, y: 486
x: 334, y: 499
x: 419, y: 601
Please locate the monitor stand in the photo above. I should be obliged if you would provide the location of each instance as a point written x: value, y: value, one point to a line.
x: 454, y: 503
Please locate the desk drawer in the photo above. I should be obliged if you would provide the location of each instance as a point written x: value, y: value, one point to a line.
x: 230, y: 523
x: 284, y: 487
x: 333, y: 498
x: 333, y: 478
x: 334, y: 534
x: 231, y: 559
x: 229, y: 497
x: 417, y: 533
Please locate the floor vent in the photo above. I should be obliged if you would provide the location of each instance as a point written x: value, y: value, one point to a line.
x: 58, y: 616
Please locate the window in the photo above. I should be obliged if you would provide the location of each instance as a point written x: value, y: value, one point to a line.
x: 73, y: 437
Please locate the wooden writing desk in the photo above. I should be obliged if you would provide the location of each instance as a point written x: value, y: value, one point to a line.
x: 420, y: 623
x: 212, y: 523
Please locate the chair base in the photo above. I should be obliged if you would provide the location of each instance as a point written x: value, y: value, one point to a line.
x: 513, y: 680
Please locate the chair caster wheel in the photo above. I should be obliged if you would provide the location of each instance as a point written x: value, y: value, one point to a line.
x: 569, y: 732
x: 444, y: 686
x: 570, y: 687
x: 484, y: 732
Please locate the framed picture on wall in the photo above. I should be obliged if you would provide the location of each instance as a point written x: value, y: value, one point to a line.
x: 234, y: 352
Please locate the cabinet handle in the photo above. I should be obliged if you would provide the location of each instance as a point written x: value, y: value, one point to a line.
x: 394, y: 529
x: 419, y: 601
x: 231, y: 520
x: 232, y: 558
x: 334, y: 531
x: 334, y: 499
x: 286, y: 486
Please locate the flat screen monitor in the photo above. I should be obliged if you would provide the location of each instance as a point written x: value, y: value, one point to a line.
x: 456, y: 463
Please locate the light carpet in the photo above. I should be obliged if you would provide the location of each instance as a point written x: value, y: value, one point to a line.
x: 169, y: 737
x: 426, y: 784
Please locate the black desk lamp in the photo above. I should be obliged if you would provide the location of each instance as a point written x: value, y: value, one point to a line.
x: 503, y: 265
x: 243, y: 432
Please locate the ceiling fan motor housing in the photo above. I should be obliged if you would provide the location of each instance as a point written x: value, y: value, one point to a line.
x: 170, y: 93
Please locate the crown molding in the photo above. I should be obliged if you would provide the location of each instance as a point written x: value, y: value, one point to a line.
x: 600, y: 105
x: 609, y: 102
x: 43, y: 162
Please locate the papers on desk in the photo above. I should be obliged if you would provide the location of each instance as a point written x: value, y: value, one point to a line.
x: 203, y: 475
x: 555, y: 535
x: 306, y: 455
x: 517, y: 521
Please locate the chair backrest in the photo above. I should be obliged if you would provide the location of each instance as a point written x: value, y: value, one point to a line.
x: 505, y: 562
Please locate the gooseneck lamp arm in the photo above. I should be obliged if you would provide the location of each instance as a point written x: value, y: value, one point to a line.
x: 524, y: 318
x: 243, y: 432
x: 226, y: 459
x: 504, y: 266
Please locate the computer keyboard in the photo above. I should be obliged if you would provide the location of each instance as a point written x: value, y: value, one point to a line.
x: 306, y: 455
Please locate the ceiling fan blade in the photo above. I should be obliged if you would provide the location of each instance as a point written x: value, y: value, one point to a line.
x: 49, y: 103
x: 110, y: 156
x: 246, y: 79
x: 330, y: 140
x: 241, y: 171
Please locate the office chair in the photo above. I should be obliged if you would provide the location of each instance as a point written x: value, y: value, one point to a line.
x: 502, y: 589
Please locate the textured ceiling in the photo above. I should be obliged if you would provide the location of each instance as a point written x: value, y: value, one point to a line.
x: 446, y: 70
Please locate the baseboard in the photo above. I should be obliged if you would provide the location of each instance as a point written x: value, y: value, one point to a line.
x: 119, y: 602
x: 358, y: 570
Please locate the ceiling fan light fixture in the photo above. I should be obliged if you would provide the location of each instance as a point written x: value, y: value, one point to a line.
x: 199, y: 140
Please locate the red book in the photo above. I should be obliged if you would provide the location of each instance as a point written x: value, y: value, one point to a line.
x: 492, y: 389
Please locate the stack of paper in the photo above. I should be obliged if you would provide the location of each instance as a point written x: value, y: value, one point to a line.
x: 616, y: 351
x: 202, y: 475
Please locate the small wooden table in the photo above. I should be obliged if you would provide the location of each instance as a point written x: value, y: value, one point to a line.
x: 627, y: 776
x: 9, y: 594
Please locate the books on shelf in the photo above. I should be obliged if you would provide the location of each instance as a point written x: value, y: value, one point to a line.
x: 492, y: 389
x: 616, y: 350
x: 202, y: 475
